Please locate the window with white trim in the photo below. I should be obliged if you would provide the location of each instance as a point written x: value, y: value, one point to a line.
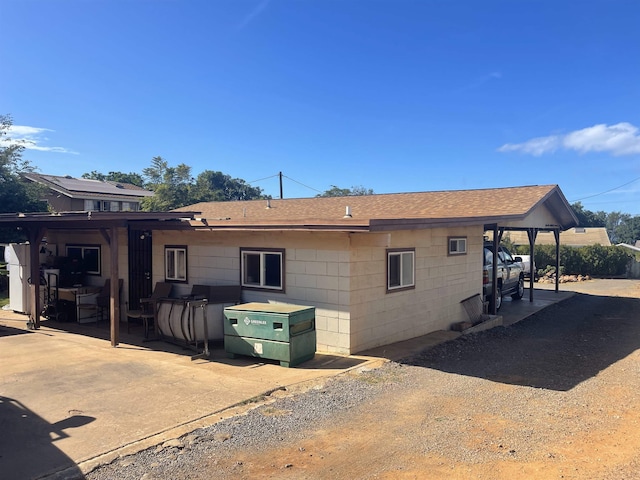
x: 175, y: 263
x: 400, y: 269
x: 87, y: 255
x: 457, y: 245
x: 262, y: 268
x: 92, y: 205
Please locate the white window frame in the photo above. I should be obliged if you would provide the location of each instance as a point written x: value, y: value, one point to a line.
x: 174, y: 269
x: 457, y: 245
x: 92, y: 205
x: 83, y: 250
x: 403, y: 283
x: 261, y: 282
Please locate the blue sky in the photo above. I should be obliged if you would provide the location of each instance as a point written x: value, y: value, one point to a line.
x: 393, y: 95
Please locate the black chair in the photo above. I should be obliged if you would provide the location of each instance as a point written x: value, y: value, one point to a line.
x: 148, y: 307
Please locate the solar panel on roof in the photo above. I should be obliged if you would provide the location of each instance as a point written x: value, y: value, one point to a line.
x: 89, y: 186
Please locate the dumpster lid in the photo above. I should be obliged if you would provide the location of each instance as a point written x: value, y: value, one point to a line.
x: 269, y: 307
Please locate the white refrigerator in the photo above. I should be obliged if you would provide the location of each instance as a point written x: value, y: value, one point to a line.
x: 17, y: 257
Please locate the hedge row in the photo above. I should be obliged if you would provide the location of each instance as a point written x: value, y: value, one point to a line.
x: 594, y: 260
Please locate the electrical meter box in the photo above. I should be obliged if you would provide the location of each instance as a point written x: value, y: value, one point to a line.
x: 275, y: 331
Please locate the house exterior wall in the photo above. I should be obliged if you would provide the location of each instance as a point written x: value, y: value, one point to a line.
x: 57, y: 202
x: 441, y: 283
x: 315, y: 267
x: 344, y: 276
x: 541, y: 217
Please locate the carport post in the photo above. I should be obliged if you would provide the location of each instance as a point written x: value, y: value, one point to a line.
x: 531, y: 233
x: 35, y: 236
x: 115, y: 289
x: 556, y: 234
x: 111, y: 238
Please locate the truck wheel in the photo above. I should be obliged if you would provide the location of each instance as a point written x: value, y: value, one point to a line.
x: 498, y: 297
x: 520, y: 291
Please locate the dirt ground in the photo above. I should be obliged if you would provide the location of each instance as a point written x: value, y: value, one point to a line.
x: 557, y: 396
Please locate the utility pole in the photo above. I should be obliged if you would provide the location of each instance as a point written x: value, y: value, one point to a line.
x: 280, y: 175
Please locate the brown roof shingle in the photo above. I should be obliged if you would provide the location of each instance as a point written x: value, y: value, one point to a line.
x: 375, y: 210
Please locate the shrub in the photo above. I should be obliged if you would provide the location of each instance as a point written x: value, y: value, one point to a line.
x: 590, y: 260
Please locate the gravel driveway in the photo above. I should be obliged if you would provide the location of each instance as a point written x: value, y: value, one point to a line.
x: 555, y: 396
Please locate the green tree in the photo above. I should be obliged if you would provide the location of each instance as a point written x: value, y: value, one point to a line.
x: 335, y: 191
x: 169, y: 184
x: 131, y: 178
x: 587, y: 218
x: 216, y: 186
x: 628, y: 231
x: 621, y: 227
x: 16, y: 194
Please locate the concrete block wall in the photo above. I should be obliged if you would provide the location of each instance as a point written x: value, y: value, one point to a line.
x: 441, y: 283
x: 316, y: 273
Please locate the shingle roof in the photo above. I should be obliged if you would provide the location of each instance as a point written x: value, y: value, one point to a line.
x: 375, y: 211
x: 574, y: 237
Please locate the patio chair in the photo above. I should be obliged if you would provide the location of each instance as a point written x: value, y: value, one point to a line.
x: 147, y: 311
x: 103, y: 300
x: 97, y: 303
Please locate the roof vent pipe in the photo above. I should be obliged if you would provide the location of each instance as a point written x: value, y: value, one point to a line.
x: 268, y: 203
x: 347, y: 213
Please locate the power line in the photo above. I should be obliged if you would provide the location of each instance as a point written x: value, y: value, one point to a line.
x: 288, y: 178
x: 265, y: 178
x: 610, y: 190
x: 306, y: 186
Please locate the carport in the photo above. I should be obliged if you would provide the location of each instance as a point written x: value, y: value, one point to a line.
x: 36, y: 225
x: 551, y: 214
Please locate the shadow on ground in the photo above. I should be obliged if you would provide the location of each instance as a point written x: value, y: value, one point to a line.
x: 29, y: 449
x: 557, y: 348
x: 7, y: 331
x: 135, y: 339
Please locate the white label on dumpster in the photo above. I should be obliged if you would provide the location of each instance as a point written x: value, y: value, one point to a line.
x: 252, y: 321
x: 257, y: 348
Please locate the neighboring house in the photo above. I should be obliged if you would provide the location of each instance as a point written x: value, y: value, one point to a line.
x: 574, y: 237
x: 378, y: 268
x: 68, y: 194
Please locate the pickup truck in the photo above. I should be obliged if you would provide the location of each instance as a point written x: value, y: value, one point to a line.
x: 510, y: 275
x: 526, y: 265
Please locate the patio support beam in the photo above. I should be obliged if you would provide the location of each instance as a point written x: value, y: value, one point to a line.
x: 35, y: 236
x: 532, y: 233
x: 556, y: 234
x: 114, y: 310
x: 105, y: 235
x: 494, y: 271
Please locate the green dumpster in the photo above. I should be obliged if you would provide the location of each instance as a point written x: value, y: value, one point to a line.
x: 275, y: 331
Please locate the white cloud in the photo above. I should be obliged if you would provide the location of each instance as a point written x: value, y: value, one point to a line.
x: 478, y: 82
x: 32, y: 138
x: 254, y: 14
x: 619, y: 139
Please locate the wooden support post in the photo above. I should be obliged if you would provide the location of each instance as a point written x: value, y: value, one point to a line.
x: 532, y: 233
x: 35, y: 236
x: 556, y: 234
x: 494, y: 271
x: 115, y: 288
